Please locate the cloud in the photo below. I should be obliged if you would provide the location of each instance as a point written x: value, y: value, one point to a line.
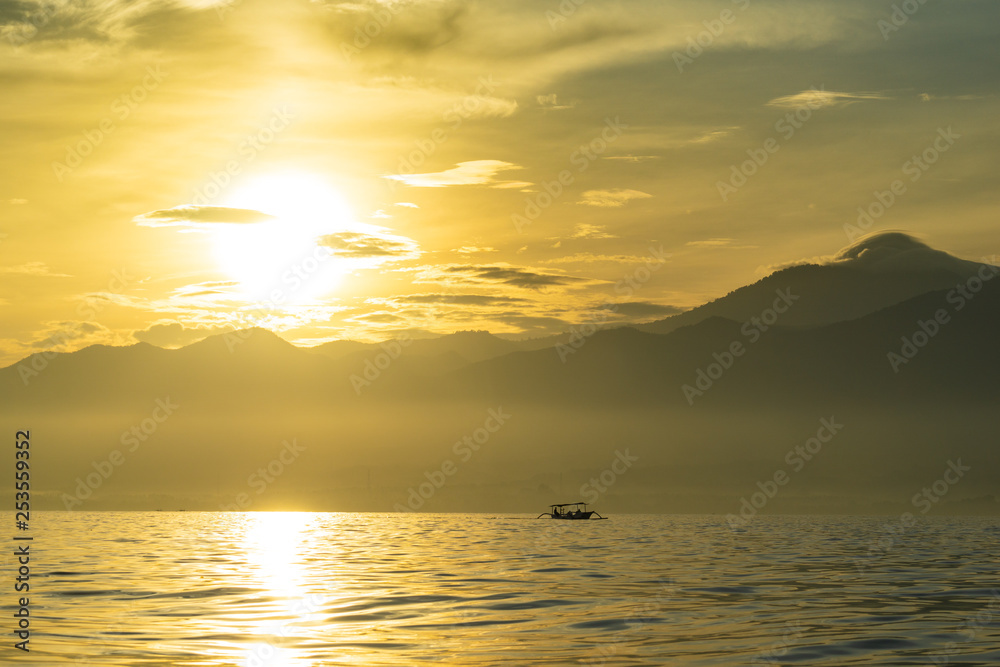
x: 191, y: 216
x: 406, y: 204
x: 538, y: 324
x: 380, y: 317
x: 173, y: 334
x: 361, y: 245
x: 33, y: 269
x: 611, y: 198
x: 475, y: 172
x: 816, y: 99
x: 499, y: 274
x: 71, y: 335
x: 710, y: 243
x: 551, y: 101
x: 584, y: 230
x: 416, y: 27
x: 713, y: 135
x: 459, y: 299
x: 877, y: 252
x: 206, y: 288
x: 510, y: 185
x: 642, y: 309
x: 589, y: 257
x: 17, y: 201
x: 927, y: 97
x: 631, y: 158
x: 470, y: 249
x: 718, y: 242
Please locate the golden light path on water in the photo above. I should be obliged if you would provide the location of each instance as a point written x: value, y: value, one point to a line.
x: 276, y: 545
x: 287, y: 589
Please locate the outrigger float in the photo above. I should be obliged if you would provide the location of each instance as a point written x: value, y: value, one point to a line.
x: 577, y: 511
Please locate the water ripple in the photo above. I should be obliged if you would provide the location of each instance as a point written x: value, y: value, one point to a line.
x: 212, y: 589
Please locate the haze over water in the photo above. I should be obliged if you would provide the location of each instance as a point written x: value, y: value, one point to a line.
x: 297, y: 589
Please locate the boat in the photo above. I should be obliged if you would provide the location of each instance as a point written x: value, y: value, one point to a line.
x: 570, y: 511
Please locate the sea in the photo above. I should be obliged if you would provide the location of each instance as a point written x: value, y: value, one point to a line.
x: 298, y: 589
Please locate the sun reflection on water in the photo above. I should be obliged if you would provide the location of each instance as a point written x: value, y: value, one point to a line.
x: 275, y: 544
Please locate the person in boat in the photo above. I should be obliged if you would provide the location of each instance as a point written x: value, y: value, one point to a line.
x: 555, y: 511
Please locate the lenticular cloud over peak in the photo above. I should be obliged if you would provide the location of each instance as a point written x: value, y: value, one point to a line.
x: 897, y: 251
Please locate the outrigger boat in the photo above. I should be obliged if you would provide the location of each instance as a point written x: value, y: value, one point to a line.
x: 575, y: 511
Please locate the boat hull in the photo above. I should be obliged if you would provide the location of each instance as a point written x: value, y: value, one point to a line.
x: 573, y: 515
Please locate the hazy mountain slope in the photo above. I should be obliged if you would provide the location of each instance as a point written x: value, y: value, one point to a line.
x: 877, y: 271
x: 398, y: 414
x: 846, y: 360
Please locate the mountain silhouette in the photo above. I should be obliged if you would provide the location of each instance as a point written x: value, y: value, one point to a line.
x: 877, y: 271
x: 890, y: 338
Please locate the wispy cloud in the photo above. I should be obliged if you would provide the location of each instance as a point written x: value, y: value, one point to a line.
x: 361, y: 245
x: 611, y: 198
x: 191, y: 216
x: 710, y: 243
x: 459, y: 299
x: 642, y: 309
x: 585, y: 230
x: 821, y: 98
x: 927, y: 97
x: 551, y: 101
x: 719, y: 243
x: 631, y: 158
x: 475, y: 172
x: 589, y: 257
x: 496, y: 274
x: 33, y: 269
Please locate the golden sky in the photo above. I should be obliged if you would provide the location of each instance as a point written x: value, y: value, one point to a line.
x: 333, y: 170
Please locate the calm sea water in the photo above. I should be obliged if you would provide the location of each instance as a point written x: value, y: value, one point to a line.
x: 298, y: 589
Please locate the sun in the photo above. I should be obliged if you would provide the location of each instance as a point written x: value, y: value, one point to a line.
x: 279, y: 261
